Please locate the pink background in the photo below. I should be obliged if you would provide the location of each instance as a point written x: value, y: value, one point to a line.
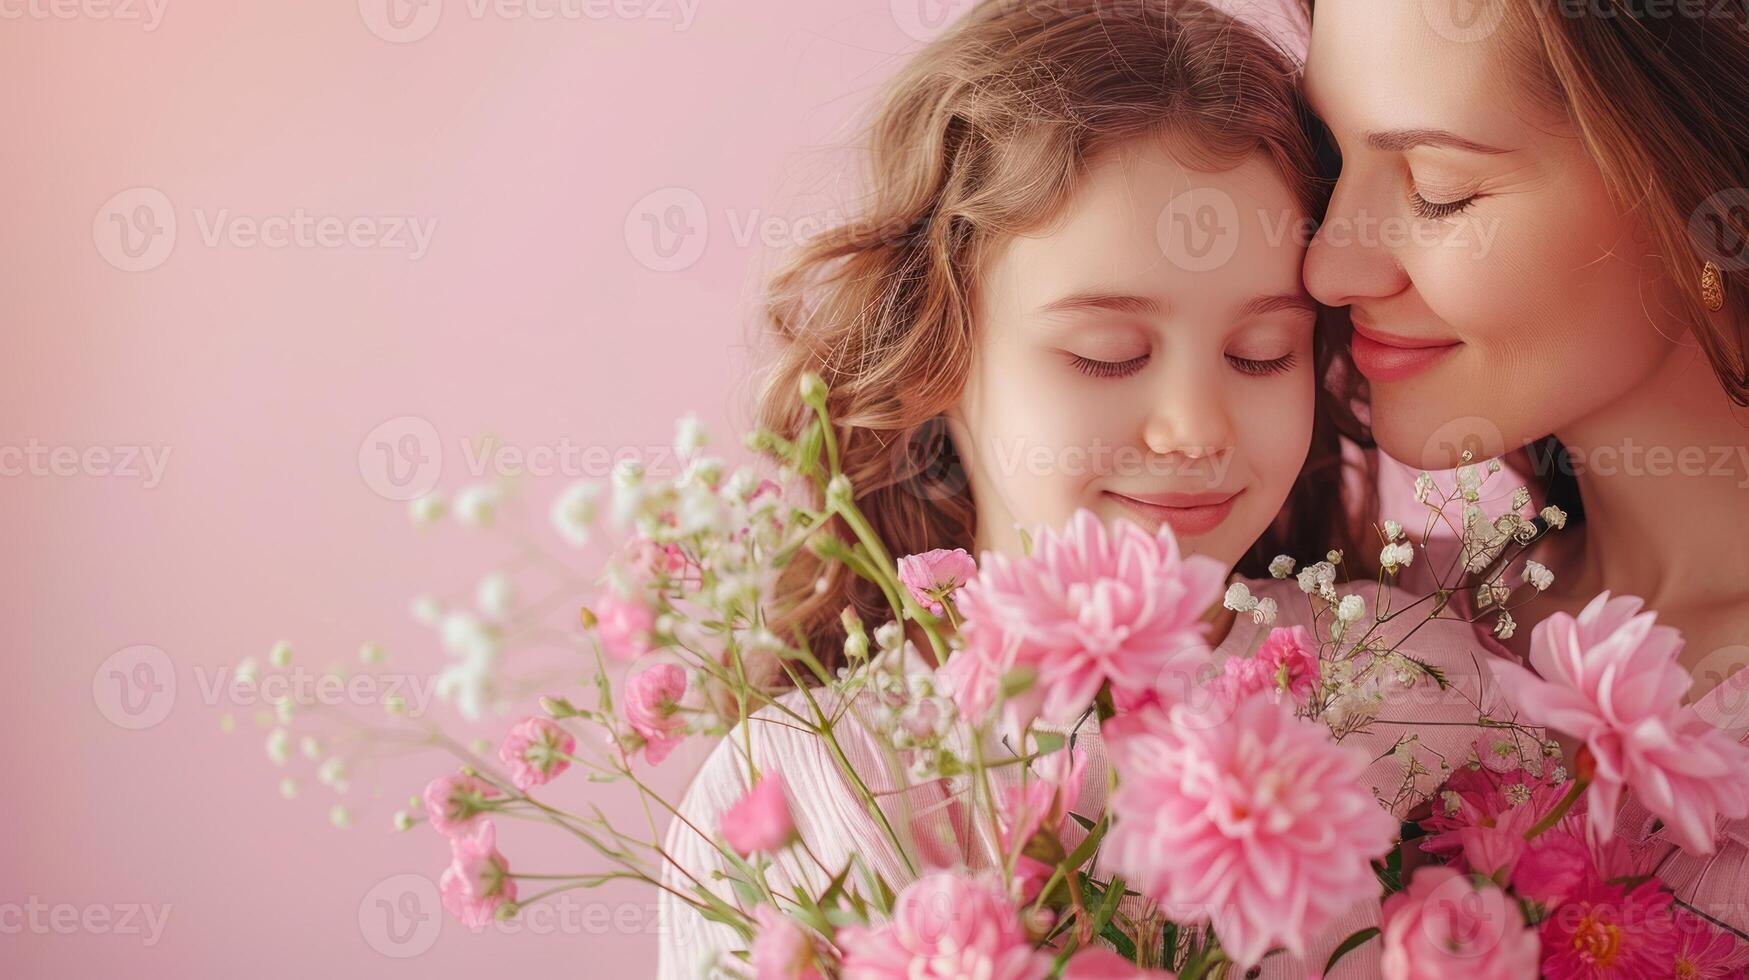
x: 540, y: 313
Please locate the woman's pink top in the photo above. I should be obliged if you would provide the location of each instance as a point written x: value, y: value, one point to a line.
x: 834, y: 824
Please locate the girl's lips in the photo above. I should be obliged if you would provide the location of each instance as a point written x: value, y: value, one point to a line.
x: 1187, y: 514
x: 1387, y: 357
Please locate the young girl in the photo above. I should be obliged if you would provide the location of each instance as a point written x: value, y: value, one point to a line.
x: 1077, y: 286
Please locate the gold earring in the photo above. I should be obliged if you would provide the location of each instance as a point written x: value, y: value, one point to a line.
x: 1712, y: 287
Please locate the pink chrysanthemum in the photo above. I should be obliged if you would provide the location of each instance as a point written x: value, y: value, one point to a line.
x: 1608, y: 931
x: 536, y: 750
x: 1610, y: 679
x: 1041, y: 805
x: 1262, y: 825
x: 624, y: 624
x: 1706, y: 953
x: 1086, y: 607
x: 945, y: 926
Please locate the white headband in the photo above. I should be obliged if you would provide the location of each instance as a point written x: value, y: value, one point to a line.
x: 1285, y: 23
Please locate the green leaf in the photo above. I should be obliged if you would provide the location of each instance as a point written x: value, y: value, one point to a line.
x: 1352, y: 942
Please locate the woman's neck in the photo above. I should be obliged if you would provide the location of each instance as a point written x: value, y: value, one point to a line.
x: 1664, y: 477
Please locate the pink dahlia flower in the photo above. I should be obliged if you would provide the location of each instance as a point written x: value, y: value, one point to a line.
x: 1086, y: 607
x: 1262, y: 825
x: 933, y: 575
x: 1443, y: 926
x: 1040, y: 806
x: 1705, y: 953
x: 652, y: 708
x: 1609, y: 930
x: 945, y: 927
x: 761, y: 821
x: 1287, y: 662
x: 1610, y: 679
x: 536, y: 750
x: 477, y: 880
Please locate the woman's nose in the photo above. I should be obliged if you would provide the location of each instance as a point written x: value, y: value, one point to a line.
x: 1352, y: 258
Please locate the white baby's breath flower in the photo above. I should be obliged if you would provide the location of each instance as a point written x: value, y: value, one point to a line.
x: 1351, y: 609
x: 1469, y: 482
x: 628, y: 490
x: 339, y: 816
x: 574, y: 511
x: 288, y: 788
x: 1333, y: 556
x: 496, y: 595
x: 1239, y: 598
x: 248, y: 670
x: 1492, y: 592
x: 1393, y: 530
x: 403, y: 820
x: 1554, y: 517
x: 477, y: 506
x: 1423, y: 487
x: 427, y: 509
x: 1517, y: 794
x: 280, y: 655
x: 1319, y: 579
x: 1281, y: 566
x: 1538, y: 576
x: 1493, y: 466
x: 332, y: 772
x: 283, y: 710
x: 1396, y: 555
x: 370, y: 653
x: 1505, y: 626
x: 689, y: 435
x: 1520, y: 499
x: 310, y: 746
x: 464, y: 635
x: 426, y: 610
x: 1264, y: 612
x: 888, y: 636
x: 279, y: 746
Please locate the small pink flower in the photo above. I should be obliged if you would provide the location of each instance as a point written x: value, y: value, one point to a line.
x: 1705, y: 953
x: 477, y: 880
x: 1610, y: 678
x: 781, y: 948
x: 1262, y: 825
x: 652, y: 708
x: 1102, y: 964
x: 1444, y: 926
x: 945, y: 927
x: 1477, y: 799
x: 536, y: 750
x: 1087, y: 607
x: 761, y: 821
x: 623, y: 624
x: 933, y: 575
x: 1606, y: 930
x: 454, y: 803
x: 1040, y: 806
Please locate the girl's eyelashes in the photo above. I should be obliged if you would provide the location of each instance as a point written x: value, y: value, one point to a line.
x: 1434, y: 210
x: 1261, y: 369
x: 1107, y: 369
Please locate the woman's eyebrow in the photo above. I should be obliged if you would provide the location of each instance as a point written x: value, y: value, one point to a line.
x: 1398, y: 140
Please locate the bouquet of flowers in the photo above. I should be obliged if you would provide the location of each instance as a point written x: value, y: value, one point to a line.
x: 1238, y: 821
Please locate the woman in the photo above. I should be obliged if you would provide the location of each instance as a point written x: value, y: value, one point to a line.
x: 1540, y: 232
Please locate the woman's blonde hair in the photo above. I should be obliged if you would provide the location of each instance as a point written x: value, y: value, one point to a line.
x: 983, y: 136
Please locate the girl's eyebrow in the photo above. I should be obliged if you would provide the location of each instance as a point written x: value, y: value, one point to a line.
x: 1290, y: 302
x: 1108, y: 302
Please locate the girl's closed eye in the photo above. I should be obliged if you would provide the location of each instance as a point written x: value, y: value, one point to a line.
x: 1107, y: 367
x: 1265, y: 366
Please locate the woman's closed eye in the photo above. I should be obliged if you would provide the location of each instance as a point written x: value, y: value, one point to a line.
x: 1257, y: 367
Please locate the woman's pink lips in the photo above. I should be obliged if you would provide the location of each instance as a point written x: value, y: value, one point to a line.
x: 1388, y: 357
x: 1189, y: 514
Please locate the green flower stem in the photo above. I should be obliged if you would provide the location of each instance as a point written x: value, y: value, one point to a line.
x: 887, y: 578
x: 1554, y: 816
